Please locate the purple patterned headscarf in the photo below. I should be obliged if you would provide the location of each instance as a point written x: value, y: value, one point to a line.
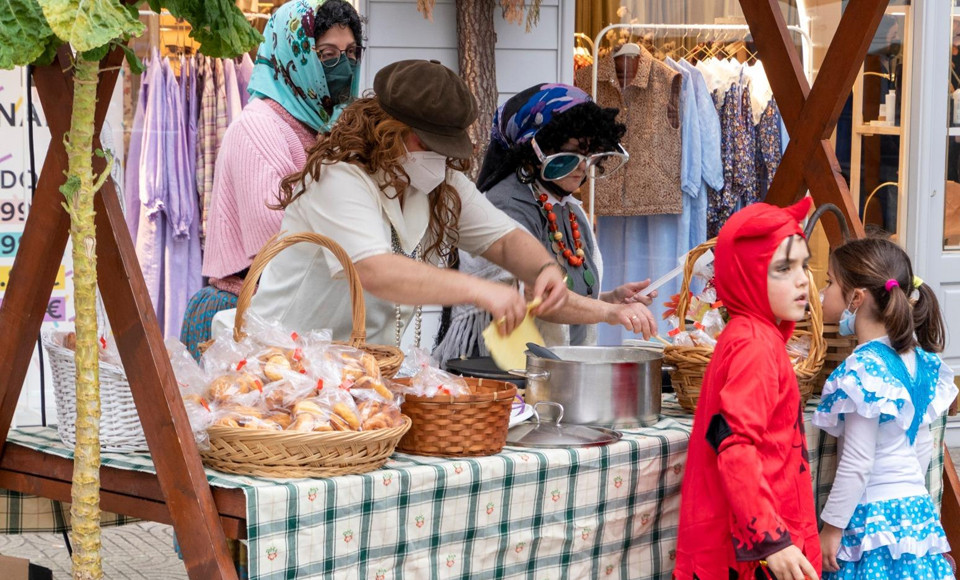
x: 518, y: 120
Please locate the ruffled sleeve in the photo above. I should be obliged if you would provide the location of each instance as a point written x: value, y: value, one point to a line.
x: 862, y: 385
x: 944, y: 392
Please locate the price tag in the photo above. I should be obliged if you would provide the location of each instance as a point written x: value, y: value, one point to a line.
x: 9, y: 244
x: 56, y: 310
x: 14, y: 211
x: 59, y: 284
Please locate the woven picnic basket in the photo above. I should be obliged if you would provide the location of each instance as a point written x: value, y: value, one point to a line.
x: 689, y: 363
x: 462, y: 426
x: 389, y: 358
x: 266, y: 453
x: 120, y: 428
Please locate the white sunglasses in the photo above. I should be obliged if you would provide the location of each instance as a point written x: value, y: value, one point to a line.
x: 560, y: 165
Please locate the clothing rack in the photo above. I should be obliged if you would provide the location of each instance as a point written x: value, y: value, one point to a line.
x: 805, y: 40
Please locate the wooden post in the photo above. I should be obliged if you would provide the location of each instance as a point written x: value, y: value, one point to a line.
x: 179, y: 470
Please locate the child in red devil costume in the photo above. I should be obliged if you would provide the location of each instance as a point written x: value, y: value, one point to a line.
x: 747, y: 496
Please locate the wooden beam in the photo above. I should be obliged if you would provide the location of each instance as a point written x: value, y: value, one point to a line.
x: 810, y: 114
x: 231, y: 503
x: 950, y: 507
x: 156, y: 394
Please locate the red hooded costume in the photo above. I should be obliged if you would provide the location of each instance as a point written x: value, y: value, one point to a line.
x: 747, y: 490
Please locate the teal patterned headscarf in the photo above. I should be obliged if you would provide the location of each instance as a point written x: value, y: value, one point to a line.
x: 288, y: 69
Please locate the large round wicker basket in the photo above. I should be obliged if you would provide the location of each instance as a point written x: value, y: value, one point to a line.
x: 463, y: 426
x: 389, y: 358
x: 267, y: 453
x: 690, y: 362
x: 120, y: 428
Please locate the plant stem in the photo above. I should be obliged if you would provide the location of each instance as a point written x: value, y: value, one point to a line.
x: 85, y: 510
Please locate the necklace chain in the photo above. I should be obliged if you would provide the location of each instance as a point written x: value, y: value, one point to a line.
x: 417, y: 256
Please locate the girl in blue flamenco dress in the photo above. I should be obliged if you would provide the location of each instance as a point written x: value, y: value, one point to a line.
x: 879, y: 521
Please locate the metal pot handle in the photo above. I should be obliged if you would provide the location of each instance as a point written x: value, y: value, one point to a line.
x: 530, y: 375
x: 549, y: 404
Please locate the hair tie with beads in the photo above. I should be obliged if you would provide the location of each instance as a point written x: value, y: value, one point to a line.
x: 891, y: 284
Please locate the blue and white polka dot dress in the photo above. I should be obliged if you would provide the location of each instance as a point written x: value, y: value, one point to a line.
x: 900, y: 536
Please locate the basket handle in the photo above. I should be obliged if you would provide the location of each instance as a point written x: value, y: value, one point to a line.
x: 277, y: 244
x: 817, y: 343
x: 683, y: 301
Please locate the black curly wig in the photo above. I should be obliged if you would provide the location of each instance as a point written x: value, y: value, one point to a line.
x: 595, y: 127
x: 338, y: 13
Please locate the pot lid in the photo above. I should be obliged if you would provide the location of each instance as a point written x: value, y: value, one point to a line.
x: 547, y: 431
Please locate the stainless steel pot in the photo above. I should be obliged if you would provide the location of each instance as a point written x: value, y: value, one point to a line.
x: 597, y: 385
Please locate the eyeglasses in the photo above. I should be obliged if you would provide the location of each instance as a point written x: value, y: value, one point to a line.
x: 560, y: 165
x: 330, y: 55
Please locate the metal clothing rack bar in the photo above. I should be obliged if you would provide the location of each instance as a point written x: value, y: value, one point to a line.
x: 805, y: 40
x: 249, y: 15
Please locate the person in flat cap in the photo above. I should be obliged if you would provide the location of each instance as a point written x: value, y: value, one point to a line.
x: 543, y: 143
x: 387, y: 184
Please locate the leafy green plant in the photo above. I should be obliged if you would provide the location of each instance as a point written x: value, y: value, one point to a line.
x: 31, y: 31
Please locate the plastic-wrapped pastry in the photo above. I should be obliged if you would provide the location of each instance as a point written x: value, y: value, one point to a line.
x: 368, y: 382
x: 231, y: 385
x: 346, y: 413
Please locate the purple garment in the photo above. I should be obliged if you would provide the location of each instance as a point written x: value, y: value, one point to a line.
x: 231, y: 90
x: 131, y: 188
x: 152, y: 186
x: 244, y: 72
x: 182, y: 243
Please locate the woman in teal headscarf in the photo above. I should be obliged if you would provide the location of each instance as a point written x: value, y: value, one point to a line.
x: 301, y: 66
x: 306, y: 72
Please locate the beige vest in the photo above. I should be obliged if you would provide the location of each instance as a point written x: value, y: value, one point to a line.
x: 649, y: 107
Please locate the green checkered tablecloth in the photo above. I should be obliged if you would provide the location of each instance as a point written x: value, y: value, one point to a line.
x: 544, y: 514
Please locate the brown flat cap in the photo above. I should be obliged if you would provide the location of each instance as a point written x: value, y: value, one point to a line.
x: 433, y: 100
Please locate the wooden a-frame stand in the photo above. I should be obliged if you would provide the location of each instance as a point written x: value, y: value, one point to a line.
x: 810, y: 115
x: 179, y: 493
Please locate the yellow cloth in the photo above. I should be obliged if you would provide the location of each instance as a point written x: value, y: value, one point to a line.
x: 508, y: 351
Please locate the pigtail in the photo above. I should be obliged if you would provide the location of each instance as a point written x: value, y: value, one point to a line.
x: 928, y: 321
x: 898, y: 317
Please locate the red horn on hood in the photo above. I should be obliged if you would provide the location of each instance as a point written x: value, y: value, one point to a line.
x: 800, y: 209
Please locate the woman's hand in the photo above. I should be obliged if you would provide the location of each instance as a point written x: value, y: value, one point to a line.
x: 830, y: 538
x: 629, y: 293
x: 503, y: 302
x: 790, y: 564
x: 634, y: 317
x: 551, y: 288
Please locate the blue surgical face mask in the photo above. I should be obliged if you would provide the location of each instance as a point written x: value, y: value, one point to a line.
x: 848, y: 321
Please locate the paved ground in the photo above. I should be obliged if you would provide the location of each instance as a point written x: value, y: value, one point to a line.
x: 136, y: 551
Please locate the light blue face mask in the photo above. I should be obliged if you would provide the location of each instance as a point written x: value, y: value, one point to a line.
x: 848, y: 321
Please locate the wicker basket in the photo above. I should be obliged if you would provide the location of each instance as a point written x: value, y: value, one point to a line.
x: 690, y: 362
x: 838, y: 349
x: 266, y: 453
x: 389, y: 358
x: 464, y: 426
x: 120, y: 428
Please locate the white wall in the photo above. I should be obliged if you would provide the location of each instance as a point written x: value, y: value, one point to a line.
x: 396, y: 31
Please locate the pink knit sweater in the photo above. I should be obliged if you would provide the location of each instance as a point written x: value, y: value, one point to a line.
x: 260, y: 148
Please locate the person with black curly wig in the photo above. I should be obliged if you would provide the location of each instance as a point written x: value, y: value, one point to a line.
x: 305, y: 73
x: 543, y: 142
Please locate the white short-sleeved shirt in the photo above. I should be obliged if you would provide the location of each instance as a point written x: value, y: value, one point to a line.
x: 304, y: 287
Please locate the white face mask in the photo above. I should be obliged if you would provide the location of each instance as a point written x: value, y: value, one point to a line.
x: 426, y: 169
